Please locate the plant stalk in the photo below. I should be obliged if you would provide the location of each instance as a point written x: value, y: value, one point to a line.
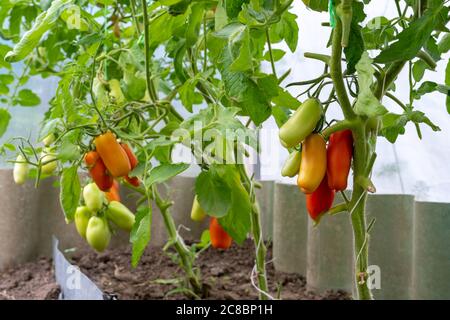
x: 186, y: 256
x: 258, y: 240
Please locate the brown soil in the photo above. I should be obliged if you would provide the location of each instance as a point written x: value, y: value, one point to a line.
x: 227, y: 274
x: 33, y: 280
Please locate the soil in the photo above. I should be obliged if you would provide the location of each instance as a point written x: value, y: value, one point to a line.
x: 226, y: 273
x: 33, y: 280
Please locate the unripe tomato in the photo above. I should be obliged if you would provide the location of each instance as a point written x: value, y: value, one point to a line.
x: 112, y: 154
x: 98, y: 171
x: 219, y: 237
x: 320, y: 201
x: 93, y: 197
x: 20, y: 171
x: 48, y: 161
x: 98, y: 234
x: 49, y: 139
x: 339, y: 159
x: 115, y: 91
x: 292, y: 164
x: 197, y: 212
x: 82, y: 216
x: 120, y: 215
x: 301, y: 124
x: 113, y: 193
x: 314, y: 163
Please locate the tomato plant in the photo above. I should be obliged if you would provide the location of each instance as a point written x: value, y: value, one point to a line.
x: 137, y: 79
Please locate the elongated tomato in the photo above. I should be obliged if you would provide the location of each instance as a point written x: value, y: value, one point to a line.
x: 112, y: 154
x: 339, y: 159
x: 98, y: 171
x: 314, y: 163
x: 320, y: 201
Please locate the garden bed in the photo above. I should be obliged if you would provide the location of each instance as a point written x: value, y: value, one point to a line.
x: 227, y: 273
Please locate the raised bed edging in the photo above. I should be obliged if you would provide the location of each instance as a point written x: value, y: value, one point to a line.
x: 409, y: 240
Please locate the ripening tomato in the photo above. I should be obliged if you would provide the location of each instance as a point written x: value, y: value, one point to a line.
x: 320, y: 201
x: 314, y: 163
x: 112, y: 154
x: 98, y: 234
x: 220, y: 239
x: 339, y: 159
x: 113, y: 193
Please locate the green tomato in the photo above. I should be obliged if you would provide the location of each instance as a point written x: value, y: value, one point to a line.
x: 197, y: 212
x: 115, y: 91
x: 292, y: 164
x: 120, y: 215
x: 20, y: 171
x: 98, y: 234
x: 93, y: 197
x: 50, y: 162
x: 49, y: 139
x: 301, y: 124
x: 82, y: 216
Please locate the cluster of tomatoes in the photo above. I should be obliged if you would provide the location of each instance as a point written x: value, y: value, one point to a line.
x: 101, y: 199
x: 321, y: 170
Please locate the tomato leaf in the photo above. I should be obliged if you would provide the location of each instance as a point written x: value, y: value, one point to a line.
x: 27, y: 98
x: 165, y: 172
x: 141, y: 233
x: 33, y: 36
x: 367, y: 104
x: 4, y: 121
x: 412, y: 39
x: 70, y: 191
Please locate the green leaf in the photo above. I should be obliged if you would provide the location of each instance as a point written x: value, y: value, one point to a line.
x: 222, y: 195
x: 213, y: 194
x: 418, y: 70
x: 277, y: 54
x: 6, y: 79
x: 27, y: 98
x: 444, y: 44
x: 165, y: 172
x: 233, y: 7
x: 410, y: 40
x: 244, y: 92
x: 4, y: 121
x: 425, y: 87
x: 355, y: 48
x: 141, y: 233
x: 193, y: 26
x: 317, y: 5
x: 32, y: 37
x: 367, y: 104
x: 188, y: 94
x: 394, y: 124
x: 70, y: 191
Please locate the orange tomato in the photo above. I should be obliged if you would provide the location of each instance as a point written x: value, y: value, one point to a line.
x: 113, y: 193
x: 112, y: 154
x: 219, y: 237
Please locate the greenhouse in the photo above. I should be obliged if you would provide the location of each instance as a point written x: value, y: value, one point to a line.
x: 224, y: 150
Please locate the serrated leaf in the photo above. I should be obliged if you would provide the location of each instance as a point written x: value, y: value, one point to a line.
x: 244, y: 92
x: 70, y: 190
x: 213, y: 194
x: 408, y: 42
x: 32, y: 37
